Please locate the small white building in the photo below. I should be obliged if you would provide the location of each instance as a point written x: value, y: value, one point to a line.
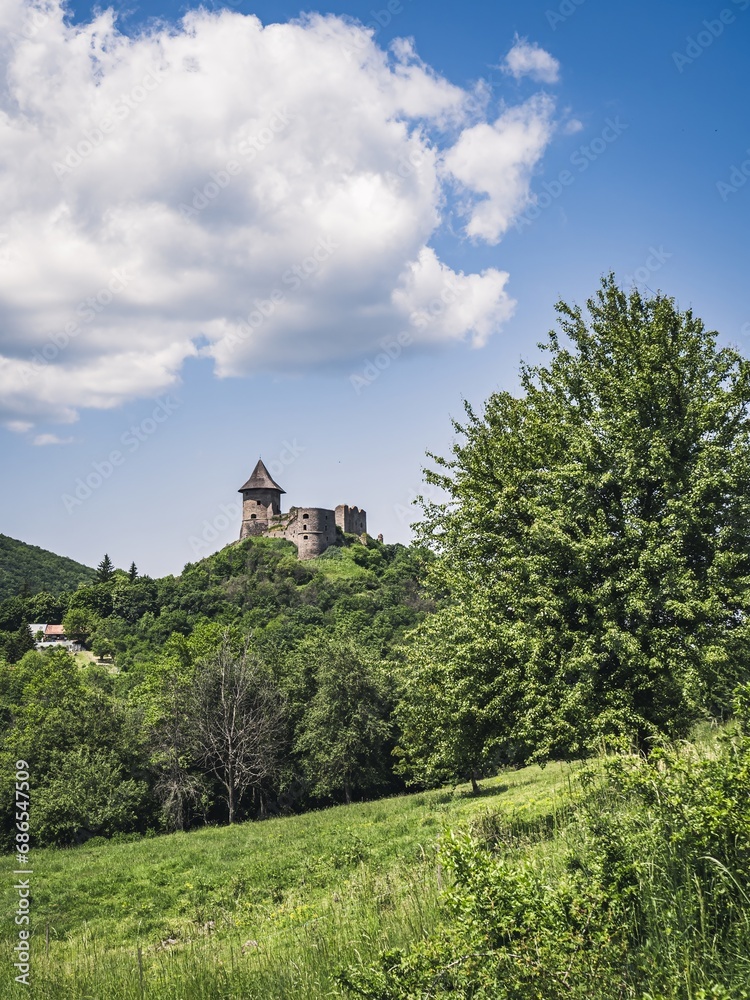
x: 52, y: 635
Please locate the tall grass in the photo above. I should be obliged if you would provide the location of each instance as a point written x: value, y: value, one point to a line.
x: 269, y: 910
x: 299, y: 960
x: 638, y: 889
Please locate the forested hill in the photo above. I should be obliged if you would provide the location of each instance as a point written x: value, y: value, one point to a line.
x: 26, y: 569
x: 260, y: 587
x: 309, y: 651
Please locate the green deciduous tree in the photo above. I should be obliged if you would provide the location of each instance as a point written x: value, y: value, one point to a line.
x: 179, y: 786
x: 598, y: 530
x: 103, y: 647
x: 59, y: 718
x: 97, y: 597
x: 88, y: 794
x: 344, y: 735
x: 132, y: 600
x: 454, y: 699
x: 44, y: 607
x: 80, y: 623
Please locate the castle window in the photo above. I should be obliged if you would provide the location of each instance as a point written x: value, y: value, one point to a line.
x: 253, y: 517
x: 258, y: 502
x: 305, y: 515
x: 305, y: 536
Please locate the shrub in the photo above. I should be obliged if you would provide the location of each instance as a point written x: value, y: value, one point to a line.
x: 647, y: 895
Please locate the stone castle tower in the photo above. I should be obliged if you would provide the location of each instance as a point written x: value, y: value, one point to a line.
x: 312, y: 529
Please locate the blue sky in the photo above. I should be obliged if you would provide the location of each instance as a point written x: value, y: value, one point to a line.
x: 626, y: 163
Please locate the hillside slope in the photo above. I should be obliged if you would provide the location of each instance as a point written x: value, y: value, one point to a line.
x: 257, y: 910
x: 28, y: 568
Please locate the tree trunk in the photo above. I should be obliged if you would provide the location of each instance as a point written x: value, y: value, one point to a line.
x: 474, y: 786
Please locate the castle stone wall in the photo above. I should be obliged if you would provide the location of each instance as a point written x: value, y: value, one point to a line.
x: 257, y: 502
x: 312, y: 529
x: 255, y: 526
x: 352, y: 520
x: 258, y: 507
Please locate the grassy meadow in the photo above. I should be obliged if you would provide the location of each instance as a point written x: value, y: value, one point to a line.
x: 263, y: 909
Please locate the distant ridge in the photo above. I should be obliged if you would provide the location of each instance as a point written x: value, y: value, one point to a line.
x: 33, y: 569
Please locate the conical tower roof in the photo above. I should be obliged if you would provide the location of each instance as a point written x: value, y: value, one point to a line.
x: 260, y: 480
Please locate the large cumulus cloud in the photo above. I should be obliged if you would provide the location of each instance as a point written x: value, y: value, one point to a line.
x: 261, y: 196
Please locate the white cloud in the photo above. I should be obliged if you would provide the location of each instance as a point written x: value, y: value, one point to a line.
x: 497, y: 161
x: 44, y: 439
x: 528, y: 59
x: 263, y: 197
x: 443, y: 305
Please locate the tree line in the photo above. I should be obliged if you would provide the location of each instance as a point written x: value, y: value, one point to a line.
x: 252, y: 684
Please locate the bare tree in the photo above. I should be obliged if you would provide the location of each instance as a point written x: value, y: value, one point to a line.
x: 239, y: 718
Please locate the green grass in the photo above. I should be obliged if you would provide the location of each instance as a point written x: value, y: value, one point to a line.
x: 339, y: 564
x: 267, y: 910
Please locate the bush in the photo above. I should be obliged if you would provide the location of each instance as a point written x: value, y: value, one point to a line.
x: 87, y: 795
x: 647, y: 895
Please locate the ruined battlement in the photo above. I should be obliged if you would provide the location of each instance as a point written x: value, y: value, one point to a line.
x: 312, y: 529
x: 352, y: 520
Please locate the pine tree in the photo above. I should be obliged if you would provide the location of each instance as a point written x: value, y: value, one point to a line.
x: 20, y: 642
x: 105, y: 570
x: 133, y: 573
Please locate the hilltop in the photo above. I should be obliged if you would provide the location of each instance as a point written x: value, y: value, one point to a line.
x: 29, y: 569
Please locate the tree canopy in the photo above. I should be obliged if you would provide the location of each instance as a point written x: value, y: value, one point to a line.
x: 217, y: 686
x: 27, y: 569
x: 596, y: 539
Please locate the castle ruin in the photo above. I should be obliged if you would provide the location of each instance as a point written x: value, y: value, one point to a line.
x: 312, y: 529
